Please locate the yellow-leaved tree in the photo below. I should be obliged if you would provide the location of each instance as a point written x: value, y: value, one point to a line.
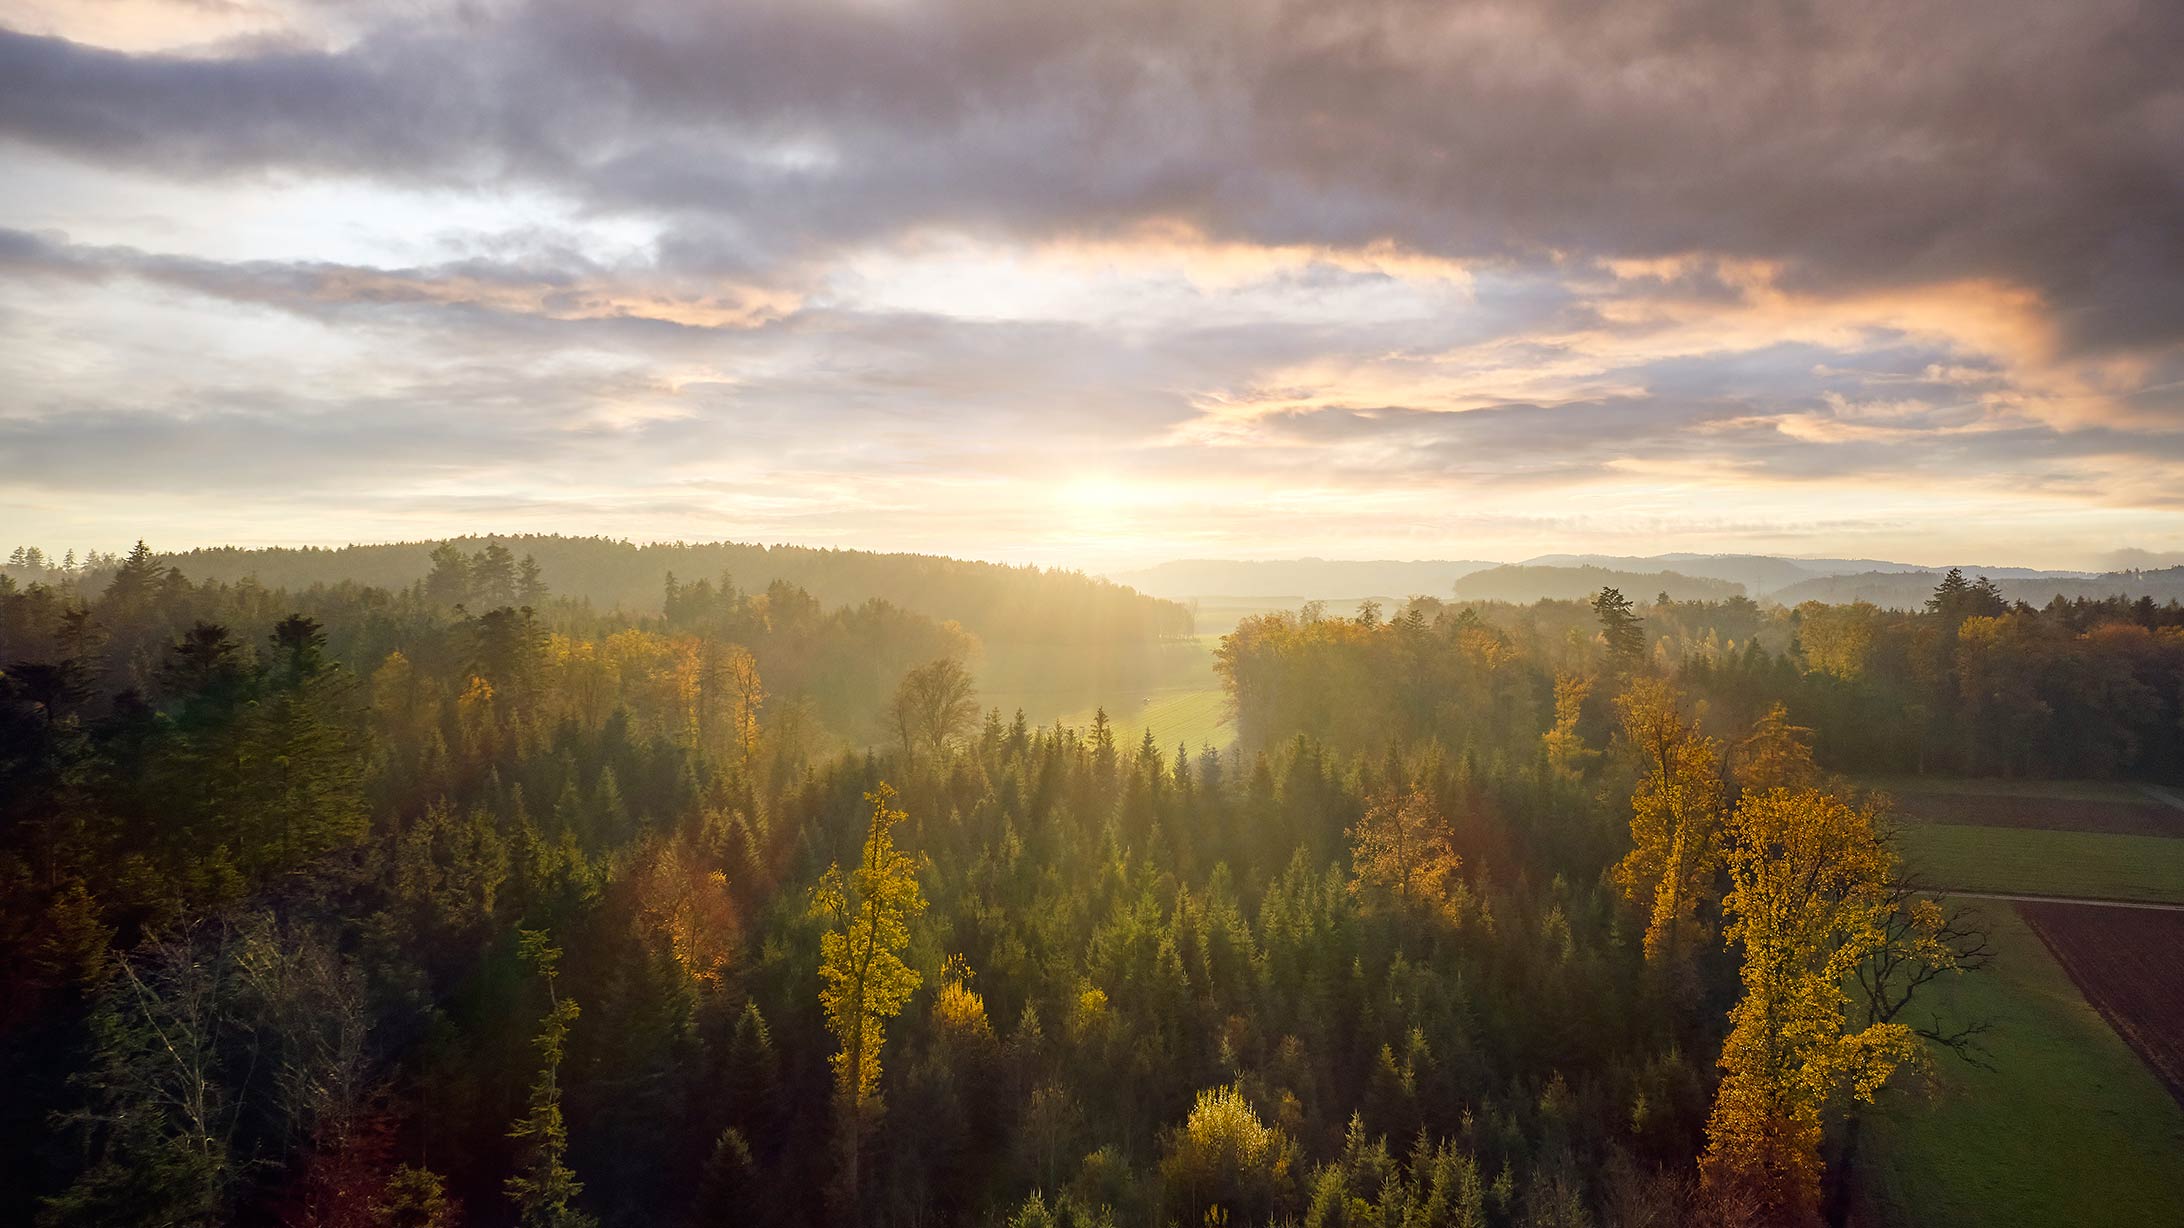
x: 1776, y: 754
x: 1567, y: 753
x: 1811, y: 900
x: 1400, y: 855
x: 1675, y: 820
x: 1225, y: 1165
x: 863, y: 979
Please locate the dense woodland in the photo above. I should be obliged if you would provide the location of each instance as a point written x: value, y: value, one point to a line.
x: 1971, y: 685
x: 454, y: 901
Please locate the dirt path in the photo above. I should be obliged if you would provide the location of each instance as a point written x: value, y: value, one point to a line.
x: 2164, y: 795
x: 2061, y: 899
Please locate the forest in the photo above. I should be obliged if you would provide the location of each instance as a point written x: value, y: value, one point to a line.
x: 453, y: 896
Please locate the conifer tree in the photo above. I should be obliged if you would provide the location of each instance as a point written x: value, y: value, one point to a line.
x: 1624, y: 631
x: 449, y: 582
x: 493, y: 576
x: 544, y: 1188
x: 531, y: 591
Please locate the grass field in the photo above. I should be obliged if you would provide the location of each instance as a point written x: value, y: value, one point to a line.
x: 2069, y: 1129
x: 1189, y: 717
x: 2066, y: 805
x: 2040, y: 862
x: 1177, y: 696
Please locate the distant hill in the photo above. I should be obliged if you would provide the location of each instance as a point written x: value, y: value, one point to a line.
x: 1524, y: 583
x: 1756, y: 574
x: 1909, y: 590
x: 999, y: 603
x: 1302, y: 579
x: 1765, y: 574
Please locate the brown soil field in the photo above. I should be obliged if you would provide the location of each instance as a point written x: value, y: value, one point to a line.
x: 2147, y: 818
x: 2129, y: 963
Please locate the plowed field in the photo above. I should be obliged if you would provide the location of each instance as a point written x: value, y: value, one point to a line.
x: 2129, y: 963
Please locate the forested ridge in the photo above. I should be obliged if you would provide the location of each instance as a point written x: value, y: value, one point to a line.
x: 350, y: 905
x: 999, y: 602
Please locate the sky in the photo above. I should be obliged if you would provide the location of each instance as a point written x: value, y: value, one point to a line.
x: 1098, y: 284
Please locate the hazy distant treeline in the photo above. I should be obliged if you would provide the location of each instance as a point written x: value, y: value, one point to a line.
x: 1890, y: 590
x: 999, y: 603
x: 1527, y: 584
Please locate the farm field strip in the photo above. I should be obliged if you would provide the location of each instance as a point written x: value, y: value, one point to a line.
x: 2130, y: 966
x: 2068, y: 1128
x: 2030, y: 861
x: 2131, y: 814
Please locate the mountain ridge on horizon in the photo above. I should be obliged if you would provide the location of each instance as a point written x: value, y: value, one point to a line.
x: 1689, y: 574
x: 1760, y: 574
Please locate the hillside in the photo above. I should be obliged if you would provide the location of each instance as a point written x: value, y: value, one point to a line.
x: 1000, y: 603
x: 1524, y: 584
x: 1765, y: 574
x: 1909, y: 590
x: 1757, y: 574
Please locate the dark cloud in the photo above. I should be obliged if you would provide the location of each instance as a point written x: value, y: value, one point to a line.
x: 1858, y: 144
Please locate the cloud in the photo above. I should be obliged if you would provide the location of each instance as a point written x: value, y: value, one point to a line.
x: 1853, y: 146
x: 1380, y: 267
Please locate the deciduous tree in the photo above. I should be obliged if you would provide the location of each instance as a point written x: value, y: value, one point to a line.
x: 1400, y: 855
x: 1809, y: 903
x: 863, y: 979
x: 1675, y: 822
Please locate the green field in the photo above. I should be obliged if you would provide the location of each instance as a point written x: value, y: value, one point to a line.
x: 2068, y: 1129
x: 1176, y: 694
x: 2038, y: 862
x: 1191, y: 718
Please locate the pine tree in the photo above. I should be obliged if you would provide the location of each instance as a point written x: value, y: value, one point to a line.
x: 449, y: 582
x: 545, y: 1187
x: 493, y: 576
x: 414, y: 1198
x: 307, y: 752
x: 1103, y: 744
x: 134, y: 584
x: 531, y: 591
x: 1624, y: 631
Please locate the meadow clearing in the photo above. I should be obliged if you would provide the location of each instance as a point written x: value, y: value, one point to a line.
x: 2067, y: 1128
x: 2071, y: 1122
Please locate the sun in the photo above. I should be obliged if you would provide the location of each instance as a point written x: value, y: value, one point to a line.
x: 1098, y: 496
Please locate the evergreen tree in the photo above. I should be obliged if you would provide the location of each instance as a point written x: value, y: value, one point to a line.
x: 448, y: 584
x: 493, y: 576
x: 531, y: 591
x: 544, y: 1188
x: 1623, y: 630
